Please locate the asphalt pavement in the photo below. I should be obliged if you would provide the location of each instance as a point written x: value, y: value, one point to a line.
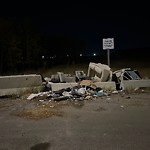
x: 115, y: 122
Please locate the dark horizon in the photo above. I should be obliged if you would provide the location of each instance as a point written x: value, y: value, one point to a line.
x: 87, y: 22
x: 31, y: 32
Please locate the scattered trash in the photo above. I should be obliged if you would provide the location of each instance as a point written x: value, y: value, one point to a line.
x: 51, y: 106
x: 33, y: 96
x: 115, y: 92
x: 108, y: 98
x: 122, y: 106
x: 65, y: 93
x: 128, y: 97
x: 80, y: 75
x: 88, y: 97
x: 136, y: 89
x: 41, y: 100
x: 100, y: 93
x: 80, y: 92
x: 86, y: 88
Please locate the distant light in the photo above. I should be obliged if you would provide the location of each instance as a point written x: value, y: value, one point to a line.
x: 80, y: 55
x: 94, y: 54
x: 42, y: 57
x: 67, y: 55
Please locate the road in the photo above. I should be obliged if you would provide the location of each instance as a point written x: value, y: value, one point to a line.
x: 116, y: 122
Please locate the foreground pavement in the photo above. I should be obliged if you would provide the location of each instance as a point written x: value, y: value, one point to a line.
x: 115, y: 122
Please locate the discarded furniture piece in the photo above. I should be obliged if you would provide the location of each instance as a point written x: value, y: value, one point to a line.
x: 80, y: 75
x: 128, y: 79
x: 102, y: 78
x: 18, y: 83
x: 60, y: 77
x: 101, y: 72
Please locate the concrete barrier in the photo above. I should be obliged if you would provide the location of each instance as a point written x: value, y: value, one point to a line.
x: 59, y: 86
x: 106, y: 85
x: 132, y: 84
x: 103, y: 85
x: 18, y: 83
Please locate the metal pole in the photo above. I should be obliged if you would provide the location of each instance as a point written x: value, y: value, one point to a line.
x: 108, y: 57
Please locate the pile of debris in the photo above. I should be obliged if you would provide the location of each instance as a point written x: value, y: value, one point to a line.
x: 80, y: 86
x: 79, y: 92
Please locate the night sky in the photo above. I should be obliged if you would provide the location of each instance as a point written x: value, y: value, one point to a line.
x: 129, y: 27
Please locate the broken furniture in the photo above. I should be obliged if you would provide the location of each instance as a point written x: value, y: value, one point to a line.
x: 128, y: 79
x: 99, y: 72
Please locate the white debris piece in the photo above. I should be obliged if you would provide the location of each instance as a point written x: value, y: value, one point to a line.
x: 81, y: 91
x: 47, y: 79
x: 33, y: 96
x: 102, y: 72
x: 66, y: 94
x: 115, y: 92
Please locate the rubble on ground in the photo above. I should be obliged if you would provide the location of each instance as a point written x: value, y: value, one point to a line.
x: 79, y: 92
x: 83, y: 87
x: 76, y: 89
x: 60, y: 86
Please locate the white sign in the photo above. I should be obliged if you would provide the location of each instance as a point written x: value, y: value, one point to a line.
x: 108, y: 43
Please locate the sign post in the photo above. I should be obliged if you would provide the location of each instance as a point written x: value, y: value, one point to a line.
x: 108, y: 57
x: 107, y: 45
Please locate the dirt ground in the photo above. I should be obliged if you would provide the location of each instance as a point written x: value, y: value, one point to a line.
x: 113, y: 122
